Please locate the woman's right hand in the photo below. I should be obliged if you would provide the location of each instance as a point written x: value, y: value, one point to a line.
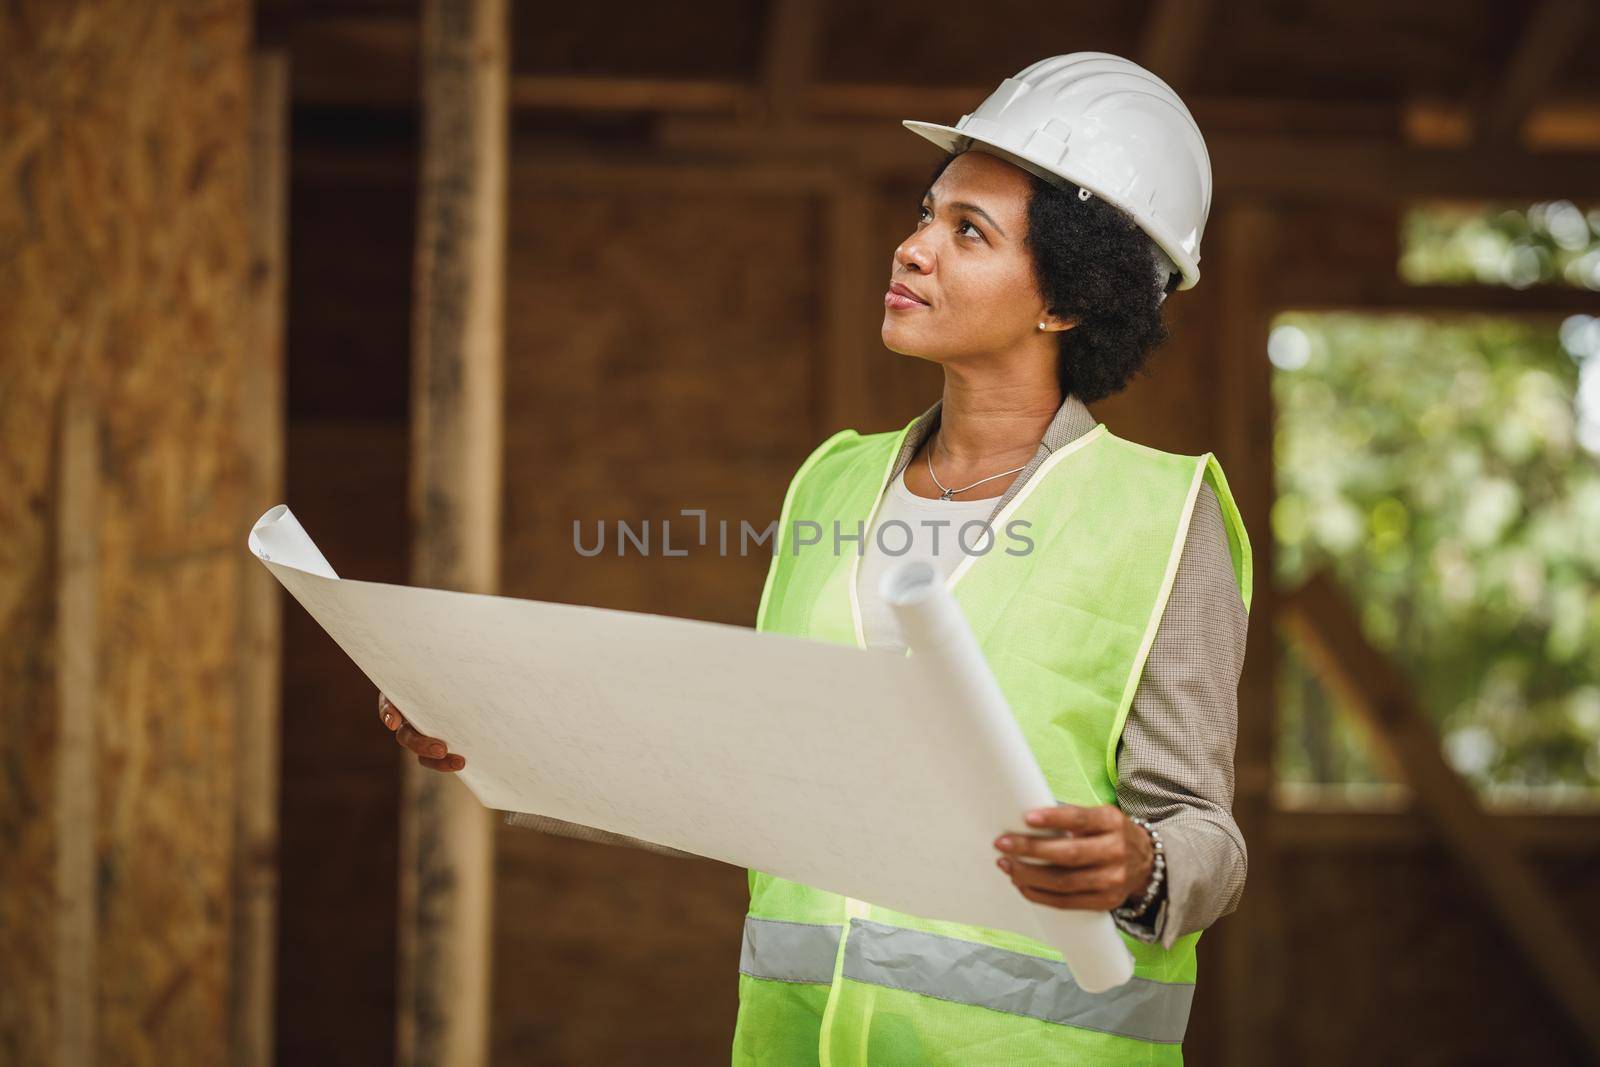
x: 431, y: 752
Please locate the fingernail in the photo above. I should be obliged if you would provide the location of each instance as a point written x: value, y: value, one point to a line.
x: 436, y: 749
x: 388, y: 719
x: 457, y: 762
x: 1005, y: 864
x: 1034, y: 818
x: 1004, y: 842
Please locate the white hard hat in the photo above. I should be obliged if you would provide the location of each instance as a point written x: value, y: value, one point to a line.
x: 1107, y: 125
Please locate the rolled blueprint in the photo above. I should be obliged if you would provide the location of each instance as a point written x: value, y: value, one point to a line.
x: 942, y: 644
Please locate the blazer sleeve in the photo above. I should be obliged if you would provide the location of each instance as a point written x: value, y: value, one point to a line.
x: 1175, y: 755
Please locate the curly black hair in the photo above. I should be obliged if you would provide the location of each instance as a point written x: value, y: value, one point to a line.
x: 1093, y: 263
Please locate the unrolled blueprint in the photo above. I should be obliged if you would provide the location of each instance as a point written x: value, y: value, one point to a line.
x: 877, y: 776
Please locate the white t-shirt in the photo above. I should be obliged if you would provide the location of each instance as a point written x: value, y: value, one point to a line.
x: 908, y: 526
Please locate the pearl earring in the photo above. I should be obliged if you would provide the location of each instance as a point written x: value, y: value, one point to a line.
x: 1041, y: 326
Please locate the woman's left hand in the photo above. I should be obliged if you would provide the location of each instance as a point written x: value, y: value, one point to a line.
x: 1104, y: 863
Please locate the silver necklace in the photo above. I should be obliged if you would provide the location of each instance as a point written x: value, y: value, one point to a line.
x: 948, y: 493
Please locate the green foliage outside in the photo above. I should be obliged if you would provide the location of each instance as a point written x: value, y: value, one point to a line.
x: 1550, y: 243
x: 1446, y: 472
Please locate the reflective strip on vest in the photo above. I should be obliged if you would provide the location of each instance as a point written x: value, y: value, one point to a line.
x: 964, y: 972
x: 789, y: 951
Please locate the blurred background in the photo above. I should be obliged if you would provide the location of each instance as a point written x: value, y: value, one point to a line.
x: 449, y: 277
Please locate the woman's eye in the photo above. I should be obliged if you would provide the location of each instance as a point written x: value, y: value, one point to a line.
x: 923, y: 215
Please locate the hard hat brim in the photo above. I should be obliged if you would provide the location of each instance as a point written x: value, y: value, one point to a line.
x: 952, y: 139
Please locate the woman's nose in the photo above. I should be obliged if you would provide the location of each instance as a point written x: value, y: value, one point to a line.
x: 914, y: 254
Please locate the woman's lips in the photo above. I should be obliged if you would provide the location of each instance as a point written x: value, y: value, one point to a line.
x: 897, y: 302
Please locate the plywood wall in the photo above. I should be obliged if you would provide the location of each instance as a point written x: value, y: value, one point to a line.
x: 124, y: 260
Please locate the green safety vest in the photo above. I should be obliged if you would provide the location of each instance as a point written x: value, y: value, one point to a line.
x: 1065, y: 626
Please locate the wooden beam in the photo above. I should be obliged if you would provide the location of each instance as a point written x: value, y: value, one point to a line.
x: 854, y: 315
x: 1173, y: 33
x: 1436, y: 122
x: 1386, y: 293
x: 1383, y: 171
x: 77, y: 590
x: 862, y: 100
x: 878, y: 147
x: 1370, y: 169
x: 1323, y: 621
x: 347, y: 60
x: 1563, y: 126
x: 579, y: 167
x: 257, y: 719
x: 652, y: 95
x: 789, y: 56
x: 848, y: 100
x: 1254, y: 1005
x: 1338, y: 827
x: 371, y: 60
x: 1215, y: 114
x: 586, y: 171
x: 1550, y: 37
x: 1554, y: 124
x: 446, y: 870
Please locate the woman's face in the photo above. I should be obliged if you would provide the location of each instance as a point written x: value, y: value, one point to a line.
x: 971, y: 274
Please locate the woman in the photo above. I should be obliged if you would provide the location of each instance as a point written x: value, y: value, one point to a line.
x: 1069, y: 205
